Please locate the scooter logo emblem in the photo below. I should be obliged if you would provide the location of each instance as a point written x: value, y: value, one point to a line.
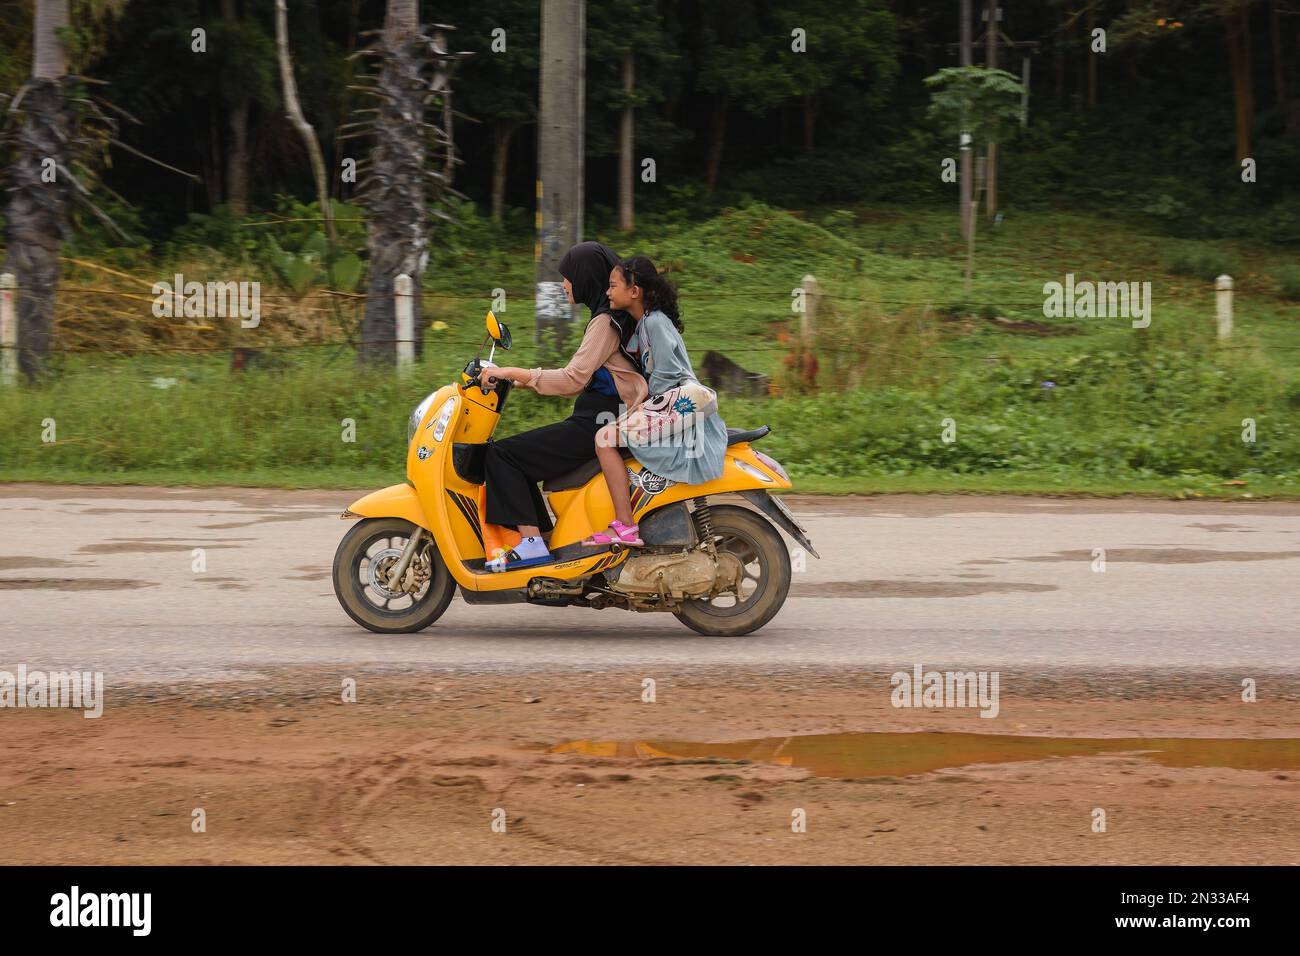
x: 422, y: 453
x: 645, y: 485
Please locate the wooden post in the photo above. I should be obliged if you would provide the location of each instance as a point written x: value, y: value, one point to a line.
x: 8, y: 331
x: 405, y: 309
x: 1223, y: 306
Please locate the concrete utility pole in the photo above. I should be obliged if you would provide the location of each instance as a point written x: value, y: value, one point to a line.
x: 964, y: 170
x: 994, y: 38
x: 559, y: 156
x: 991, y: 61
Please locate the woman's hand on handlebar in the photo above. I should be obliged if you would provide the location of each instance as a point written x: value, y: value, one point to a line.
x: 490, y: 376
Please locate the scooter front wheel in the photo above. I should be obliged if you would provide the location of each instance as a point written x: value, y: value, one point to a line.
x: 364, y: 558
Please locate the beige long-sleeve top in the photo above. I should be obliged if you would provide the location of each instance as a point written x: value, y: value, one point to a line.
x: 599, y: 347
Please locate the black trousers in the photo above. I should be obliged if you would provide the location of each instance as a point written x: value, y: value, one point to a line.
x: 514, y: 465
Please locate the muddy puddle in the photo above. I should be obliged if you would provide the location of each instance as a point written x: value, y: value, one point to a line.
x: 859, y: 755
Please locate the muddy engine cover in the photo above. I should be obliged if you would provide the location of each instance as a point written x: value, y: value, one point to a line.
x: 692, y: 574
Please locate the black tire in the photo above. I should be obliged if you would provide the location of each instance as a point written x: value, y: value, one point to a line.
x: 759, y: 545
x: 364, y: 603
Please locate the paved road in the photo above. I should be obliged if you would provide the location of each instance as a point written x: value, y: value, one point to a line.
x: 103, y: 579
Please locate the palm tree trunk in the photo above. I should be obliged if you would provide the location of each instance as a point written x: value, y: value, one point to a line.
x: 396, y: 231
x: 37, y: 215
x: 49, y: 58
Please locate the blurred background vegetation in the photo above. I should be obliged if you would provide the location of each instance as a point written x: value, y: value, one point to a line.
x: 768, y: 167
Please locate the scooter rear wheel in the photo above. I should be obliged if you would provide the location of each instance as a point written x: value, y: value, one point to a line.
x: 766, y: 560
x: 365, y: 555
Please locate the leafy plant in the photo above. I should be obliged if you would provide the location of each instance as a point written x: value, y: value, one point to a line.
x: 977, y: 100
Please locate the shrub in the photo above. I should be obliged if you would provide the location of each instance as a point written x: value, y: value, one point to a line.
x: 1200, y: 261
x: 1288, y: 281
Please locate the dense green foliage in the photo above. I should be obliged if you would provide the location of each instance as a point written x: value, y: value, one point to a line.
x: 847, y: 121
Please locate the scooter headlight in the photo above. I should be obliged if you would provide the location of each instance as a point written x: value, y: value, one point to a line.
x: 417, y: 416
x: 444, y: 417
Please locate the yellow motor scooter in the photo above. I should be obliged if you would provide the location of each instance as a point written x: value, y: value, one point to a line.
x: 721, y: 569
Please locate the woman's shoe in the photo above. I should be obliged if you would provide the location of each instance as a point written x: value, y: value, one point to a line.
x: 617, y: 533
x: 526, y: 554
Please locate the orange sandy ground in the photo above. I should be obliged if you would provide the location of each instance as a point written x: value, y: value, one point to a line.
x: 414, y: 770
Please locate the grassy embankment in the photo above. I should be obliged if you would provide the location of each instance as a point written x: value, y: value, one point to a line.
x: 901, y: 350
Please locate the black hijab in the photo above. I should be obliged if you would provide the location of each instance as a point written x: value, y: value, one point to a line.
x: 587, y: 267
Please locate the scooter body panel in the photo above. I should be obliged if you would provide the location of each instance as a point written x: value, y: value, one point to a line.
x: 395, y: 501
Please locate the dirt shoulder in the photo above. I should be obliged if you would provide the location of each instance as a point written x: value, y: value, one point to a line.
x: 416, y: 770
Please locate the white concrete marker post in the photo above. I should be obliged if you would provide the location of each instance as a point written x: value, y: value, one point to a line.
x: 405, y: 322
x: 1223, y: 306
x: 8, y: 331
x: 808, y: 326
x: 808, y: 318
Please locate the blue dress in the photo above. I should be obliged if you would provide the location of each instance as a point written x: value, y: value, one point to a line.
x: 695, y: 454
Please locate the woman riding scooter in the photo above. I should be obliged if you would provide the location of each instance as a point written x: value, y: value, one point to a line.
x: 608, y: 383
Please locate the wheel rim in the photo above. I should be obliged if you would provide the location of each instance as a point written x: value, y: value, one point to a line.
x: 376, y: 558
x: 755, y: 567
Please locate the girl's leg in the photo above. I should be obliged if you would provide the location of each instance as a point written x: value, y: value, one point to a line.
x: 611, y: 463
x: 621, y: 530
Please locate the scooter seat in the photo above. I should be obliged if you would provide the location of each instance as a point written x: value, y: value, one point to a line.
x: 735, y: 436
x: 579, y: 476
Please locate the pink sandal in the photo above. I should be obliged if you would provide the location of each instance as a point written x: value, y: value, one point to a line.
x: 622, y: 534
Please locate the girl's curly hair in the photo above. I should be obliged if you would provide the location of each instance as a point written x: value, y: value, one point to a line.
x: 659, y: 292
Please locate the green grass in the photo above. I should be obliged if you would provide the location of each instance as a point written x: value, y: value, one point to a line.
x: 902, y: 350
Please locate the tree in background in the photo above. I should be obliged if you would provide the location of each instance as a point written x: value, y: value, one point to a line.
x: 39, y: 185
x: 1235, y: 15
x: 632, y: 64
x: 732, y: 105
x: 402, y: 178
x: 974, y: 100
x: 293, y: 109
x: 751, y: 56
x: 846, y: 42
x: 497, y: 84
x: 981, y: 101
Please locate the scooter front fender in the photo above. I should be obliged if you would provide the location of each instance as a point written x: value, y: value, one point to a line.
x: 395, y: 501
